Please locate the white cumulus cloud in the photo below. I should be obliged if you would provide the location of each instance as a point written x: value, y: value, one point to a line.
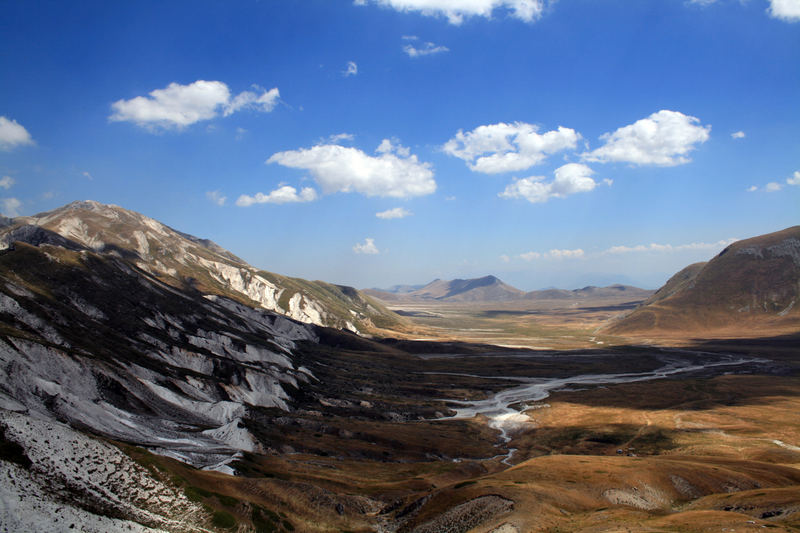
x: 425, y: 49
x: 392, y: 172
x: 7, y: 182
x: 351, y: 69
x: 553, y: 254
x: 216, y: 197
x: 738, y: 135
x: 775, y: 186
x: 367, y: 247
x: 13, y: 134
x: 655, y: 247
x: 282, y: 195
x: 501, y: 147
x: 10, y: 207
x: 177, y: 106
x: 339, y: 137
x: 569, y: 179
x: 788, y: 10
x: 457, y: 10
x: 565, y: 254
x: 530, y: 256
x: 664, y: 139
x: 397, y: 212
x: 265, y: 101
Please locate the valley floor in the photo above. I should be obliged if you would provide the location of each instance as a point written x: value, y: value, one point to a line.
x: 372, y: 443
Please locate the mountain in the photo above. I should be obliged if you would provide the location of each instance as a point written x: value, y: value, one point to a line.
x: 188, y: 262
x: 400, y: 289
x: 117, y: 333
x: 492, y: 289
x: 117, y: 329
x: 88, y: 339
x: 591, y: 292
x: 488, y: 288
x: 752, y: 285
x: 485, y: 289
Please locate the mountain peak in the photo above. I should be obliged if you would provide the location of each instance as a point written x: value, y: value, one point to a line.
x: 486, y: 288
x: 89, y: 204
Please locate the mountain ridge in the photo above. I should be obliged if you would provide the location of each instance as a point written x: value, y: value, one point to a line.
x: 491, y: 289
x: 187, y: 261
x: 752, y: 283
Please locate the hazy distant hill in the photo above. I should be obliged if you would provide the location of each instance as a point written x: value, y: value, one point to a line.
x: 591, y: 292
x: 752, y: 284
x: 485, y: 289
x: 492, y: 289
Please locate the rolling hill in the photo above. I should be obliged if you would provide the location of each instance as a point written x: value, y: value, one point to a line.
x: 485, y: 289
x: 751, y: 287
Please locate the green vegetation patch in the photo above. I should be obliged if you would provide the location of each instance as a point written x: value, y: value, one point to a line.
x: 227, y: 501
x: 264, y: 520
x: 196, y: 494
x: 224, y: 520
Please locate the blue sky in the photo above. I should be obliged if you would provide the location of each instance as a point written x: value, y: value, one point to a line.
x: 380, y: 142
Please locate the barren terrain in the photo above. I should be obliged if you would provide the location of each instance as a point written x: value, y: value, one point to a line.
x: 710, y: 449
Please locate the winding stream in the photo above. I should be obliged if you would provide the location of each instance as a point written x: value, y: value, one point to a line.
x: 505, y: 418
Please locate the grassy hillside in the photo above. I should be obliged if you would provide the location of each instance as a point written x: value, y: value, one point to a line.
x: 753, y: 284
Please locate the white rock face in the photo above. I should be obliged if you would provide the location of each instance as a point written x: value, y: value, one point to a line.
x: 71, y: 473
x: 188, y: 401
x: 9, y: 305
x: 74, y: 229
x: 787, y: 248
x: 258, y: 289
x: 306, y: 310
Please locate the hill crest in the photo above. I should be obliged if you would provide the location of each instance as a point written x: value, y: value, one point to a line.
x: 753, y: 282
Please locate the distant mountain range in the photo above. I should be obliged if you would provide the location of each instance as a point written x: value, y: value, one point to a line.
x: 752, y: 285
x: 492, y: 289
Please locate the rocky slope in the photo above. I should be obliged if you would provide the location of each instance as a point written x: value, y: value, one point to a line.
x: 752, y: 284
x: 113, y: 326
x: 87, y: 339
x: 63, y: 480
x: 185, y: 261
